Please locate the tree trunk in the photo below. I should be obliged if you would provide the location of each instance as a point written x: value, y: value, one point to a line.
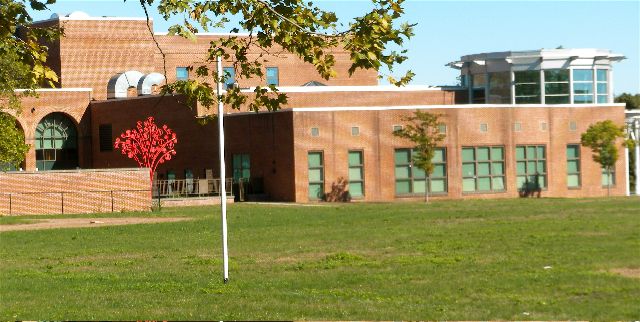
x: 426, y: 189
x: 608, y: 181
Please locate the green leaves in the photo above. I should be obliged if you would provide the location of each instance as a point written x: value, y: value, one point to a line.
x: 422, y: 130
x: 601, y: 137
x: 293, y: 26
x: 12, y: 146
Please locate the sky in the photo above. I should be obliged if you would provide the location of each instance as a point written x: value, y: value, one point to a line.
x: 447, y: 30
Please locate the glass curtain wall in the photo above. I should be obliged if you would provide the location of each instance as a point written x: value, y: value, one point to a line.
x: 556, y: 86
x: 527, y: 87
x: 499, y: 88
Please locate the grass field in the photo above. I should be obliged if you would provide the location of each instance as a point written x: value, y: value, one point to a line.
x: 461, y: 260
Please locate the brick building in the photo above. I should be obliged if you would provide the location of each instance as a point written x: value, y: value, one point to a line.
x: 514, y: 122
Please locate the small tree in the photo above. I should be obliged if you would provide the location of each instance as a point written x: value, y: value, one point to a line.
x: 12, y: 146
x: 601, y: 137
x: 423, y: 130
x: 148, y: 144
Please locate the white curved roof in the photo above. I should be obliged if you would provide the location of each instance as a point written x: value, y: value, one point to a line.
x: 146, y: 83
x: 120, y: 83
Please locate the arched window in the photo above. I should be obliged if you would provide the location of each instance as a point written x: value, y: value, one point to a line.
x: 56, y: 143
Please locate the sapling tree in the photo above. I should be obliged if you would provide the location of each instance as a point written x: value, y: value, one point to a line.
x: 601, y: 137
x: 148, y: 144
x: 423, y: 129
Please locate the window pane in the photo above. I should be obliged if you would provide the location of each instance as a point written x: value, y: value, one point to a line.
x: 601, y: 75
x: 315, y: 191
x: 531, y: 152
x: 418, y: 186
x: 418, y: 173
x: 484, y: 184
x: 482, y: 154
x: 469, y: 184
x: 402, y: 172
x: 583, y: 88
x: 498, y: 183
x: 236, y: 161
x: 531, y: 167
x: 530, y: 76
x: 496, y: 154
x: 355, y: 174
x: 272, y: 76
x: 583, y: 99
x: 556, y: 99
x: 483, y: 169
x: 542, y: 181
x: 573, y: 180
x: 572, y: 151
x: 467, y: 154
x: 230, y: 76
x: 182, y: 73
x: 315, y: 159
x: 556, y: 88
x: 438, y: 170
x: 520, y: 153
x: 521, y: 182
x: 315, y: 175
x: 402, y: 156
x: 438, y: 156
x: 541, y: 153
x: 355, y: 189
x: 603, y: 99
x: 572, y: 166
x: 607, y: 179
x: 468, y: 169
x: 521, y: 167
x: 527, y: 90
x: 602, y: 88
x: 246, y: 173
x: 528, y: 100
x: 556, y: 75
x: 403, y: 187
x: 355, y: 158
x: 497, y: 168
x: 246, y: 163
x: 541, y: 167
x: 438, y: 185
x: 582, y: 75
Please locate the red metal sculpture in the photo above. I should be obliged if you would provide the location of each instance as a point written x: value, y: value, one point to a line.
x: 148, y: 144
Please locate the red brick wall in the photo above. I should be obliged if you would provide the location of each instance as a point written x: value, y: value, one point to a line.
x: 74, y: 191
x: 463, y: 129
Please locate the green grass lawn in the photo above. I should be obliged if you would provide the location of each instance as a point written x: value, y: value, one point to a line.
x: 481, y: 259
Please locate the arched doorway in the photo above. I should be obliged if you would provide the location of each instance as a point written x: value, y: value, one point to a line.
x: 56, y: 142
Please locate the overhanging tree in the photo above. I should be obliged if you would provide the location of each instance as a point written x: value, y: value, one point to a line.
x: 295, y: 26
x: 22, y: 66
x: 601, y: 137
x: 423, y: 130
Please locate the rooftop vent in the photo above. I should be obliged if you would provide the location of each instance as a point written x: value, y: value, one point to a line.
x: 119, y: 84
x: 313, y: 83
x: 150, y: 83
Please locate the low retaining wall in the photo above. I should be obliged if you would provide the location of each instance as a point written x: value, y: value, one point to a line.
x: 74, y: 191
x: 198, y: 201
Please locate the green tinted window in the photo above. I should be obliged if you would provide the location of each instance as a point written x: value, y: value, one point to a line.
x: 483, y: 169
x: 410, y: 179
x: 531, y: 167
x: 356, y: 174
x: 316, y: 175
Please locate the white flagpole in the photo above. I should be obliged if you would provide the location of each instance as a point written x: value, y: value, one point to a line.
x: 223, y: 181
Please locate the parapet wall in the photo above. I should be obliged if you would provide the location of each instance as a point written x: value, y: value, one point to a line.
x: 74, y: 191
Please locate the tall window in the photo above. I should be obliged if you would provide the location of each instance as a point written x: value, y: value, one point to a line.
x: 411, y: 180
x: 230, y: 77
x: 556, y: 86
x: 609, y: 179
x: 272, y: 76
x: 531, y: 167
x: 499, y: 88
x: 241, y: 167
x: 182, y: 73
x: 527, y: 87
x: 56, y: 143
x: 356, y: 174
x: 483, y: 168
x: 601, y: 86
x: 478, y: 84
x: 573, y: 166
x: 582, y: 86
x: 316, y: 175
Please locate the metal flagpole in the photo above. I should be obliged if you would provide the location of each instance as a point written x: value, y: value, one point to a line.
x: 223, y: 181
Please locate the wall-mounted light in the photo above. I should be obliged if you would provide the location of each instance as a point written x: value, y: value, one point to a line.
x: 33, y: 109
